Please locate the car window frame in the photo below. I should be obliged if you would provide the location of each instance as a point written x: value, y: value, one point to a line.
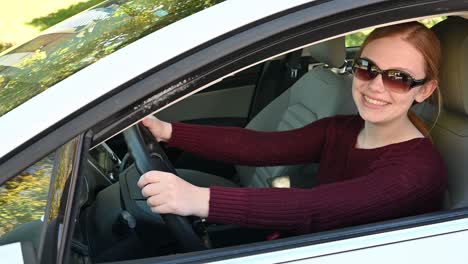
x: 55, y: 223
x: 141, y: 109
x: 59, y: 230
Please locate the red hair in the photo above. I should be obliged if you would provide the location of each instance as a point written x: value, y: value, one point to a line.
x: 428, y: 45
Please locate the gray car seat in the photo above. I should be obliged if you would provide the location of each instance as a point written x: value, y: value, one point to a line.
x: 321, y: 92
x: 450, y: 134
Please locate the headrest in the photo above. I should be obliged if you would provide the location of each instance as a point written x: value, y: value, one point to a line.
x: 331, y: 52
x: 453, y: 36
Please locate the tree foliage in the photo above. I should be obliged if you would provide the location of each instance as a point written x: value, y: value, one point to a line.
x: 24, y: 198
x: 62, y: 14
x: 63, y: 170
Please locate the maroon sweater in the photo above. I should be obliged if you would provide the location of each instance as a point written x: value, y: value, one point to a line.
x: 356, y: 186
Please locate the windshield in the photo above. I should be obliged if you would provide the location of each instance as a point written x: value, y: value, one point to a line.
x: 82, y: 40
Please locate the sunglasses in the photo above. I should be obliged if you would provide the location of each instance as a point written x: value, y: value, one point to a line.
x: 395, y: 80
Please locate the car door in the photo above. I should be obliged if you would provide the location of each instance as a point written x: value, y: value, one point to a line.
x: 407, y: 236
x: 36, y: 206
x: 295, y: 28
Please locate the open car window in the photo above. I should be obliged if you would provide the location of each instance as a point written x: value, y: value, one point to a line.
x: 226, y: 103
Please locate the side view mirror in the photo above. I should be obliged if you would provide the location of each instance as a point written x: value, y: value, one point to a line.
x: 18, y: 253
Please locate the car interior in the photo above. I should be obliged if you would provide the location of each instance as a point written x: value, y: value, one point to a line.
x: 283, y: 93
x: 116, y: 229
x: 293, y: 108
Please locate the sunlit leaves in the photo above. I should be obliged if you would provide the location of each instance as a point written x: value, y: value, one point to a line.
x: 356, y: 39
x: 24, y: 198
x: 36, y: 57
x: 64, y: 165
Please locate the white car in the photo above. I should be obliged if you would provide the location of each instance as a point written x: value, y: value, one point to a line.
x: 70, y: 154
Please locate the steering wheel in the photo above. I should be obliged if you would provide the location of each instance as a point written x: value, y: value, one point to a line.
x: 152, y: 157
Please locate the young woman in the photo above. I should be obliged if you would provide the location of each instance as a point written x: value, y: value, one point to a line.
x: 374, y: 166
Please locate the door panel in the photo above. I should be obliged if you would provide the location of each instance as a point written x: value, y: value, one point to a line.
x: 443, y: 242
x: 447, y: 248
x: 227, y: 102
x: 221, y: 103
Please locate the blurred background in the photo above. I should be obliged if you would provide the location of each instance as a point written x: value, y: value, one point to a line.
x: 21, y: 20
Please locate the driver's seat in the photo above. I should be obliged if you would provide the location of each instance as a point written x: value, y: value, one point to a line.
x: 450, y: 133
x: 321, y: 92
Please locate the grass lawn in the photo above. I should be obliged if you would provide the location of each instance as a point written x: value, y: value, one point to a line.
x: 15, y: 14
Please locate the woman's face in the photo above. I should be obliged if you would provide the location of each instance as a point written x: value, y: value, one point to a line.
x: 376, y: 103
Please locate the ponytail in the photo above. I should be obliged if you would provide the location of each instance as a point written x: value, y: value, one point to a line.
x: 419, y: 124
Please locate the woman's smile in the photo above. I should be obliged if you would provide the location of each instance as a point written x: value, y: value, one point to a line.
x: 372, y: 102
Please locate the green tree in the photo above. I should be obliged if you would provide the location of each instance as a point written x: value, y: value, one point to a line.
x: 62, y: 14
x: 24, y: 198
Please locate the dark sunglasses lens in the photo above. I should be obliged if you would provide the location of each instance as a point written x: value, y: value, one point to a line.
x: 362, y: 74
x: 362, y: 70
x: 397, y: 81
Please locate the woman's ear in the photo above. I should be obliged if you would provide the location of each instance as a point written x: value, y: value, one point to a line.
x: 426, y: 90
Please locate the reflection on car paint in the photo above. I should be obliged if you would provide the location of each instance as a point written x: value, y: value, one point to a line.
x: 83, y: 40
x: 24, y: 198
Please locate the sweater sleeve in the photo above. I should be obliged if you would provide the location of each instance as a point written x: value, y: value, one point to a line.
x: 391, y: 190
x: 253, y: 148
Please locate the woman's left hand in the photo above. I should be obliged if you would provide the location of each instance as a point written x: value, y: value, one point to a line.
x: 168, y: 194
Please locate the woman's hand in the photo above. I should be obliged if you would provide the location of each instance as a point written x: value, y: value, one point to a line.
x: 168, y: 194
x: 161, y: 130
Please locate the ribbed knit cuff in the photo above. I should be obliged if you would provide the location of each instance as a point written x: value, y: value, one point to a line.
x: 228, y: 205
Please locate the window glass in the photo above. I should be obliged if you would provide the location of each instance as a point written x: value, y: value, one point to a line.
x: 28, y: 200
x: 24, y: 197
x: 64, y: 165
x: 82, y: 40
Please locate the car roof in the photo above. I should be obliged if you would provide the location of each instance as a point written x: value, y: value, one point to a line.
x: 75, y: 92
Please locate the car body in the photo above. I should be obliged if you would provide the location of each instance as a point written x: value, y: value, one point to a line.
x: 202, y: 63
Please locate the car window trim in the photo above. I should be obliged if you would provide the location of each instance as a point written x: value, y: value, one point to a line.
x: 76, y: 186
x: 63, y: 243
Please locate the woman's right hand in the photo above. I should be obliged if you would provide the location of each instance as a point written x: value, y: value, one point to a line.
x: 161, y: 130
